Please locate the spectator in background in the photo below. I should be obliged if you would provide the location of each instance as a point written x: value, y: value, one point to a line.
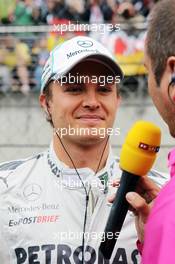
x: 23, y: 13
x: 6, y: 11
x: 42, y: 55
x: 143, y: 6
x: 23, y: 61
x: 97, y: 11
x: 54, y: 9
x: 17, y: 57
x: 75, y: 9
x: 5, y: 75
x: 49, y: 11
x: 36, y: 15
x: 126, y: 9
x: 138, y: 9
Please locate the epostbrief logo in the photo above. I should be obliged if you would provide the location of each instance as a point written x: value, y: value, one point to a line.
x: 34, y: 220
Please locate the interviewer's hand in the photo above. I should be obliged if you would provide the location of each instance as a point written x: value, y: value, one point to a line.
x: 141, y: 202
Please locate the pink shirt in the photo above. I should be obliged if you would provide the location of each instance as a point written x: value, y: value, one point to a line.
x: 159, y: 244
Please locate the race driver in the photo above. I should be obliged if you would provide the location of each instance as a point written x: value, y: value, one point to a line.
x: 54, y: 205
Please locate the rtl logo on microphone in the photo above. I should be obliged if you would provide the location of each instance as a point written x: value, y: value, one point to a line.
x: 149, y: 147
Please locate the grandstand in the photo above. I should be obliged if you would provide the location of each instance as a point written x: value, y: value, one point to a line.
x: 24, y: 23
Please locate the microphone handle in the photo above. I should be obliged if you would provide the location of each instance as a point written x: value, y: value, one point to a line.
x: 118, y: 213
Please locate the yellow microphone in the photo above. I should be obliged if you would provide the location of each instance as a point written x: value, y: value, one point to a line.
x: 137, y: 156
x: 140, y: 148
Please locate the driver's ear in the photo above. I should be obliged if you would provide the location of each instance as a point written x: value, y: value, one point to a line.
x: 171, y: 70
x: 45, y: 105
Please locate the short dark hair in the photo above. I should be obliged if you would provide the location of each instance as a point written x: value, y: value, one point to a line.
x: 48, y: 92
x: 160, y: 43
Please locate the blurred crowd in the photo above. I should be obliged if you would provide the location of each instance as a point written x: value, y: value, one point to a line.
x: 32, y: 12
x: 22, y: 58
x: 21, y: 64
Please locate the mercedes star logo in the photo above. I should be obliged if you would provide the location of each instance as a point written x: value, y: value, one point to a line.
x: 32, y: 192
x: 85, y: 44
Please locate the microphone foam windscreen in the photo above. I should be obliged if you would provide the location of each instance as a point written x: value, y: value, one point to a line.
x: 140, y: 148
